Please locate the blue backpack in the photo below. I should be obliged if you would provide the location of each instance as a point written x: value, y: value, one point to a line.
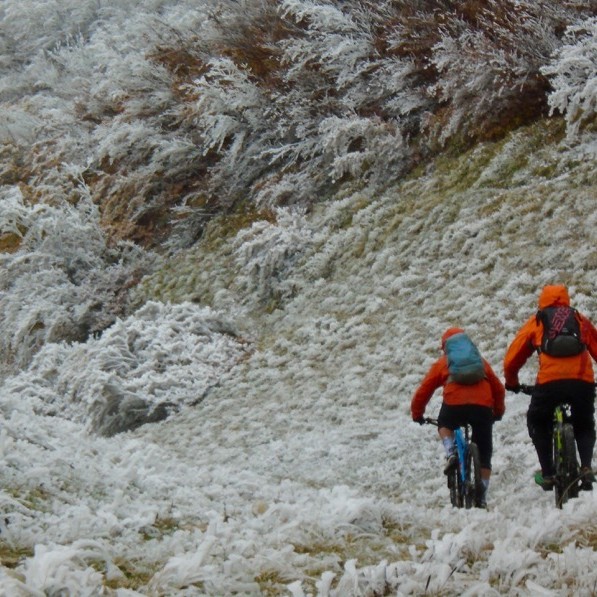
x: 464, y: 360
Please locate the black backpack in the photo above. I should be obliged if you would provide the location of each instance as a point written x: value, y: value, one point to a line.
x: 561, y: 332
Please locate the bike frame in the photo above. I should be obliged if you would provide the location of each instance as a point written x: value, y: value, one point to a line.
x: 558, y: 418
x: 461, y: 440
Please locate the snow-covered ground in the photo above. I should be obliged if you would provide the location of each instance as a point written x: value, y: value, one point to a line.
x: 289, y: 464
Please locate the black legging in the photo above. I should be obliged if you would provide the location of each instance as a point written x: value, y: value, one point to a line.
x: 581, y: 397
x: 481, y: 421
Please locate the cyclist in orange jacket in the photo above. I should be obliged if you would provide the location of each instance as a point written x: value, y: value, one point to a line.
x: 479, y: 404
x: 559, y: 378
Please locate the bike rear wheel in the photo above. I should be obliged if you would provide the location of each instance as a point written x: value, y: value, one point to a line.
x: 455, y: 486
x: 566, y: 464
x: 473, y: 493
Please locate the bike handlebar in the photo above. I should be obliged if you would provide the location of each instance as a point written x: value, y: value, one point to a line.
x: 528, y: 389
x: 430, y: 421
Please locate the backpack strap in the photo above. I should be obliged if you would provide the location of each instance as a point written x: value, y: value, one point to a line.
x: 539, y: 319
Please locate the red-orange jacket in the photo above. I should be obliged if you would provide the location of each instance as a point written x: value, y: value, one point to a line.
x: 488, y: 392
x: 551, y: 368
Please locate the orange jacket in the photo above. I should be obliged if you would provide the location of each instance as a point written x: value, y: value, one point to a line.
x: 488, y: 392
x: 551, y: 368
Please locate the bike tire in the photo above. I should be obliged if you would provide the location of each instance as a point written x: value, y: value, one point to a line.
x: 566, y: 464
x: 455, y: 487
x: 473, y: 484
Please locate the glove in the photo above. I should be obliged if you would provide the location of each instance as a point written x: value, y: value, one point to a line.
x: 497, y: 418
x: 419, y: 420
x: 513, y: 388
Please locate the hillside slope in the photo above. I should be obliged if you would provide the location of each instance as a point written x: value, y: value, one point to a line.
x: 288, y: 352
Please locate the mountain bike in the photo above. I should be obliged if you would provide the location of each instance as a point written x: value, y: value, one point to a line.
x: 464, y: 480
x: 568, y: 478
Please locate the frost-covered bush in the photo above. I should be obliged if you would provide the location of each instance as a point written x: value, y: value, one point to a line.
x: 138, y: 371
x: 92, y: 90
x: 61, y: 281
x: 488, y: 83
x: 305, y: 95
x: 266, y: 254
x: 488, y: 57
x: 182, y: 110
x: 573, y: 75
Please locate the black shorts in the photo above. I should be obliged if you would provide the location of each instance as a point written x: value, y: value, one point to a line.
x: 480, y: 419
x: 579, y: 394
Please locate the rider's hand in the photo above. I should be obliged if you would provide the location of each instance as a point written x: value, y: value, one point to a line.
x: 419, y: 420
x: 513, y: 388
x: 497, y: 418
